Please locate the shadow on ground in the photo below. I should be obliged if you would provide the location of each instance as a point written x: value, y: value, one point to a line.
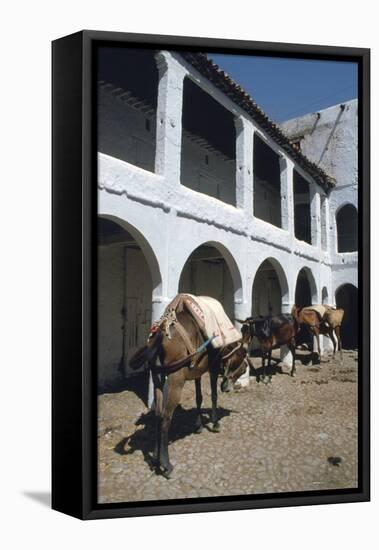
x: 307, y: 359
x: 183, y: 425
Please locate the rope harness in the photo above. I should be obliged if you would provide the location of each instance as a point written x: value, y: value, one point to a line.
x: 164, y: 324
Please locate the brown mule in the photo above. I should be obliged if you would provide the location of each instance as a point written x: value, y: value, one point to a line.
x: 272, y: 331
x: 177, y: 367
x: 327, y: 325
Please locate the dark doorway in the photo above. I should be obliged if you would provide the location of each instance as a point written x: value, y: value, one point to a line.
x: 206, y: 273
x: 302, y: 208
x: 267, y: 294
x: 347, y: 299
x: 303, y: 293
x: 347, y: 229
x: 124, y: 308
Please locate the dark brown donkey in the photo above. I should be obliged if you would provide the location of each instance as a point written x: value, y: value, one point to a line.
x: 177, y: 366
x: 328, y: 323
x: 271, y: 332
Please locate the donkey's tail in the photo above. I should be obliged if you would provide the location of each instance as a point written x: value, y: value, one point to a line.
x: 148, y: 353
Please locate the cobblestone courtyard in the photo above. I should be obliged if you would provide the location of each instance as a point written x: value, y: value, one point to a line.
x: 277, y: 437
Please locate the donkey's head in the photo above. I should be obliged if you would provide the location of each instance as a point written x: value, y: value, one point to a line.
x: 233, y: 368
x: 246, y: 331
x: 295, y: 311
x: 149, y: 352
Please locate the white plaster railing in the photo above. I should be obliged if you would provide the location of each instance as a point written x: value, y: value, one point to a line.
x: 345, y: 258
x: 121, y: 178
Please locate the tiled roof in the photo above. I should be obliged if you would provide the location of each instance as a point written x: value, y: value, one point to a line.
x: 237, y: 94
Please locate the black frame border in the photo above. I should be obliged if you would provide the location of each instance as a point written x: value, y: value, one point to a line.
x: 74, y: 295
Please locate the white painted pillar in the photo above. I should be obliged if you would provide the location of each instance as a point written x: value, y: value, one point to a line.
x: 328, y: 227
x: 241, y: 311
x: 321, y: 345
x: 286, y: 194
x: 285, y: 354
x: 169, y: 118
x: 244, y: 165
x: 327, y: 344
x: 325, y: 225
x: 315, y: 216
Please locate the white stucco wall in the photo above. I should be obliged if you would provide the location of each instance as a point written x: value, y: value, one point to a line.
x: 217, y: 178
x: 122, y: 131
x: 169, y: 220
x: 110, y: 321
x: 330, y: 139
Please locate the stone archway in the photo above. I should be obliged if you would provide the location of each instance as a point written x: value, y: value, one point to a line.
x: 306, y: 289
x: 270, y: 288
x: 128, y: 277
x: 305, y: 295
x: 211, y: 270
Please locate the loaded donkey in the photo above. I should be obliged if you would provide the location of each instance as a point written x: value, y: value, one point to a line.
x: 194, y: 336
x: 321, y: 319
x: 272, y: 331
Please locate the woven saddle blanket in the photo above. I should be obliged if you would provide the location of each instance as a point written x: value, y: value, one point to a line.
x: 320, y: 309
x: 209, y: 316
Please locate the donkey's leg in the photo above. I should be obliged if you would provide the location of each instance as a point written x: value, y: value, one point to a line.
x: 263, y: 371
x: 269, y: 365
x: 331, y: 336
x: 199, y: 400
x: 158, y: 409
x: 292, y: 347
x: 338, y: 334
x: 213, y: 376
x: 316, y: 333
x: 172, y: 392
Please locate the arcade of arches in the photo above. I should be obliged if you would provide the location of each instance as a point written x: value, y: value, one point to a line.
x: 125, y: 289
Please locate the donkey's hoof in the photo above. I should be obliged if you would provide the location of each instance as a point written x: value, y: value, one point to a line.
x: 166, y: 472
x: 199, y: 429
x: 216, y: 427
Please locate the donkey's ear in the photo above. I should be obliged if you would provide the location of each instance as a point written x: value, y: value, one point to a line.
x: 240, y: 321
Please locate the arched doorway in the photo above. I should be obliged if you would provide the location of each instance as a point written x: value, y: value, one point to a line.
x: 305, y: 295
x: 347, y: 229
x: 211, y: 271
x: 127, y: 274
x: 306, y: 291
x: 347, y: 299
x: 269, y: 287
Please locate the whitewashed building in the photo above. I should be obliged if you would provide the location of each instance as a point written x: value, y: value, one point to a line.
x: 198, y: 191
x: 330, y: 138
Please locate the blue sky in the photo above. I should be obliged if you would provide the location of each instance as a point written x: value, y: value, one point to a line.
x: 288, y: 88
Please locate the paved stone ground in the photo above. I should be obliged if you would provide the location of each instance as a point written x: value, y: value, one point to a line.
x: 274, y: 438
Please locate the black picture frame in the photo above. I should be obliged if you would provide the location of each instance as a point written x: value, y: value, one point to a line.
x: 74, y: 429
